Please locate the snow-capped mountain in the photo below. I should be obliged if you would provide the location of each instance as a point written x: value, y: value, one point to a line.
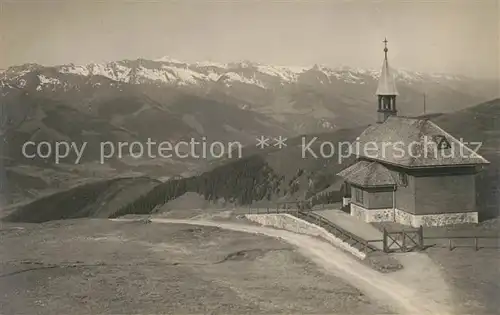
x: 294, y: 100
x: 173, y: 72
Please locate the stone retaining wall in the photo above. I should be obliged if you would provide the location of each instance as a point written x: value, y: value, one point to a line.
x: 290, y: 223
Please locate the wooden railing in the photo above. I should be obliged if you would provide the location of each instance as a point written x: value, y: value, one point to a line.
x: 342, y: 234
x: 475, y: 240
x: 311, y: 217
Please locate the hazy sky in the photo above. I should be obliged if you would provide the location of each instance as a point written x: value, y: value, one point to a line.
x: 456, y: 36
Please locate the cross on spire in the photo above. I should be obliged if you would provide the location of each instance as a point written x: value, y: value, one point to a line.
x: 385, y: 46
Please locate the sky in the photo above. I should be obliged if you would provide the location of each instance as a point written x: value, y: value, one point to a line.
x: 455, y: 36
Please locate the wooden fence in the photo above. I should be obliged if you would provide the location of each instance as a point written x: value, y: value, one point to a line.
x: 452, y: 241
x: 308, y: 215
x: 353, y: 240
x: 404, y: 240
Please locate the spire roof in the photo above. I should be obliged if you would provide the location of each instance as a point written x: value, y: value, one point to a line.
x: 386, y: 83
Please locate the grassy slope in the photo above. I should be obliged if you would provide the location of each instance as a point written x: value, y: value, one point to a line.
x: 98, y: 199
x: 276, y: 174
x: 104, y: 267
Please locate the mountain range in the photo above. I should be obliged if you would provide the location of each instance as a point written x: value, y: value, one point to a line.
x: 171, y: 100
x: 299, y: 99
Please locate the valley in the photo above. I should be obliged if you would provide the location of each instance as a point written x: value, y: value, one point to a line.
x: 91, y: 133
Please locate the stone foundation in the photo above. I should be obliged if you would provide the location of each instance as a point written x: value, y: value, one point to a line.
x: 372, y: 215
x: 402, y: 217
x: 442, y: 219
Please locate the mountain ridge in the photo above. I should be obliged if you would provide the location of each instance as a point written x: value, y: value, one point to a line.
x: 170, y: 70
x: 167, y: 100
x: 329, y: 97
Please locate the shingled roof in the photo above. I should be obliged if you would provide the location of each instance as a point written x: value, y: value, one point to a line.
x: 368, y: 174
x: 411, y: 142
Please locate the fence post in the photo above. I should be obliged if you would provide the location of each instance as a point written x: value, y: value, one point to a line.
x: 421, y: 237
x: 384, y: 242
x: 403, y: 241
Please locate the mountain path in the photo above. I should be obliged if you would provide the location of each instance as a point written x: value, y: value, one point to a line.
x: 410, y: 291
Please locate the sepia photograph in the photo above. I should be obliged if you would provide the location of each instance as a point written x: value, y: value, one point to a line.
x: 249, y: 157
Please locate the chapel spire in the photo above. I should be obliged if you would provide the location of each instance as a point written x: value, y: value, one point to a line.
x: 385, y: 48
x: 386, y: 90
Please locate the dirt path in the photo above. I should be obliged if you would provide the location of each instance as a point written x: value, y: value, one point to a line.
x: 406, y: 296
